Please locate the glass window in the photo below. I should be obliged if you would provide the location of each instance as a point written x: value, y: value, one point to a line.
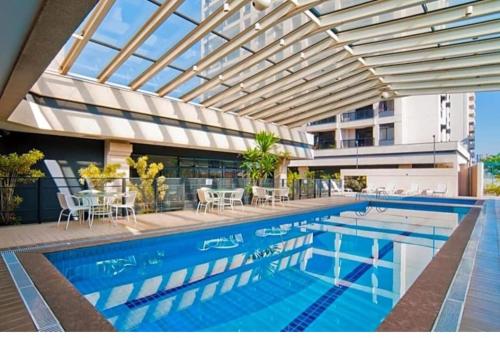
x: 386, y: 134
x: 129, y: 70
x: 92, y: 60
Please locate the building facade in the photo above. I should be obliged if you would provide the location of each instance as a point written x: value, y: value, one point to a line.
x: 428, y: 131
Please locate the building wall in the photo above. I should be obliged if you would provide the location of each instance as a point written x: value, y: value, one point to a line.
x: 420, y: 118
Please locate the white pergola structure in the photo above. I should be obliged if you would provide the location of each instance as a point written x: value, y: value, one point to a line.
x: 339, y: 55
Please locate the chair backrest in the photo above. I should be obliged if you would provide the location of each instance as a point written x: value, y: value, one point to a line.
x: 414, y: 187
x: 255, y: 190
x: 202, y: 195
x: 261, y: 192
x: 62, y: 201
x: 130, y: 197
x: 284, y: 191
x: 204, y: 188
x: 65, y: 201
x: 238, y: 193
x: 441, y: 187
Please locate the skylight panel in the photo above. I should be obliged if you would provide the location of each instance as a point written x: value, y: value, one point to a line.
x: 92, y: 59
x: 165, y: 75
x: 129, y: 70
x: 169, y: 33
x: 123, y: 21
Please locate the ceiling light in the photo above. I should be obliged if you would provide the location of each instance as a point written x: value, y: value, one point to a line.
x: 257, y: 26
x: 282, y: 42
x: 469, y: 10
x: 226, y: 7
x: 77, y: 36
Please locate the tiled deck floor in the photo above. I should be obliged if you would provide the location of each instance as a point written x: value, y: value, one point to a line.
x: 482, y: 305
x: 33, y: 234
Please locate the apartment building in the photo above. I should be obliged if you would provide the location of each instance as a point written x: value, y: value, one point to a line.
x: 412, y: 132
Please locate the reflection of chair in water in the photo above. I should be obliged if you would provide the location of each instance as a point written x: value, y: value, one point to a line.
x: 363, y: 212
x: 229, y: 242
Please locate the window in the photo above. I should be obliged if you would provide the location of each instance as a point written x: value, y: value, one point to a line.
x: 324, y: 140
x: 386, y: 134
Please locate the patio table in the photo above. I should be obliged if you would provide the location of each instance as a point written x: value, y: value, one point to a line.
x: 273, y: 194
x: 98, y: 202
x: 221, y: 194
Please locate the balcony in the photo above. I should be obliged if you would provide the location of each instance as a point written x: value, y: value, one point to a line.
x: 386, y: 113
x: 360, y: 142
x: 331, y: 119
x: 386, y: 142
x: 357, y: 115
x: 324, y: 145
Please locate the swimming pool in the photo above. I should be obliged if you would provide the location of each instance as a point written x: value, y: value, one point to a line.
x: 339, y: 269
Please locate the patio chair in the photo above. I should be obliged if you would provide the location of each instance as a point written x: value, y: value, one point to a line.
x: 237, y: 197
x: 413, y: 189
x: 205, y: 200
x: 262, y: 196
x: 440, y: 190
x: 128, y: 205
x: 103, y: 208
x: 255, y: 197
x: 282, y: 195
x: 69, y: 208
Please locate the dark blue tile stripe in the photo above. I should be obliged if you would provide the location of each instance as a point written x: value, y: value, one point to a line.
x: 303, y: 320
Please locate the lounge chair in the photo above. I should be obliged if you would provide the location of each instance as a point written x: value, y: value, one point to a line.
x: 336, y: 188
x: 440, y: 190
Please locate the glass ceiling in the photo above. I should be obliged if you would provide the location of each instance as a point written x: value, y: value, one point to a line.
x: 238, y: 43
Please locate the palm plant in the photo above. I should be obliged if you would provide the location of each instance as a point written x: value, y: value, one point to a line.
x: 259, y: 162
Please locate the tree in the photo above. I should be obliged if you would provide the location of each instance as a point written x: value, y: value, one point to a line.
x: 259, y: 162
x: 16, y: 169
x: 492, y: 165
x: 96, y: 177
x: 145, y: 187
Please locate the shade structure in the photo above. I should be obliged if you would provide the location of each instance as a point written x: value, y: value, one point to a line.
x: 295, y: 62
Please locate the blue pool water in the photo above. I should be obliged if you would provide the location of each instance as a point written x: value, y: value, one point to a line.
x: 339, y: 269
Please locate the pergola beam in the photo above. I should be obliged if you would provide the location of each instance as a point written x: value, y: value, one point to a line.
x: 276, y: 16
x: 297, y: 76
x: 313, y: 96
x: 205, y: 27
x: 329, y: 99
x: 344, y: 106
x: 429, y: 39
x: 305, y: 31
x: 365, y: 10
x: 445, y: 74
x: 452, y: 63
x: 91, y: 25
x: 303, y: 87
x: 426, y: 20
x: 161, y: 14
x: 453, y: 89
x: 466, y: 82
x: 443, y: 52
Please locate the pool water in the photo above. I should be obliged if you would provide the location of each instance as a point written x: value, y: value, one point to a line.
x: 340, y: 269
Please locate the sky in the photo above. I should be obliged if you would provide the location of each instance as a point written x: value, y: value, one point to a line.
x: 488, y: 122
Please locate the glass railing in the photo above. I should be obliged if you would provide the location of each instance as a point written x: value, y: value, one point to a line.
x: 324, y: 145
x: 357, y: 115
x: 360, y: 142
x: 331, y: 119
x: 386, y: 113
x: 386, y: 142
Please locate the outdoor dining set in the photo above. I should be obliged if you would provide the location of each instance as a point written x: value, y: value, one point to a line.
x: 92, y: 204
x: 220, y: 199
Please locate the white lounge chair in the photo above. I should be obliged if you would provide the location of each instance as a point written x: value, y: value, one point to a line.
x: 128, y: 205
x: 69, y: 208
x: 335, y: 187
x: 283, y: 195
x: 262, y: 196
x: 440, y: 190
x: 413, y: 189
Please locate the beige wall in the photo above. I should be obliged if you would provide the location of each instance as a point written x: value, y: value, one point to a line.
x: 404, y: 178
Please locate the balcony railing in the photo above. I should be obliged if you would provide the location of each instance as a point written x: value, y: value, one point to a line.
x: 331, y: 119
x: 324, y: 145
x: 360, y: 142
x: 386, y: 142
x: 386, y: 113
x: 357, y: 115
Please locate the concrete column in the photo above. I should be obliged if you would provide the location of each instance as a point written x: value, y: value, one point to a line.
x: 338, y: 133
x: 376, y: 129
x: 117, y: 152
x: 280, y: 174
x: 303, y: 171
